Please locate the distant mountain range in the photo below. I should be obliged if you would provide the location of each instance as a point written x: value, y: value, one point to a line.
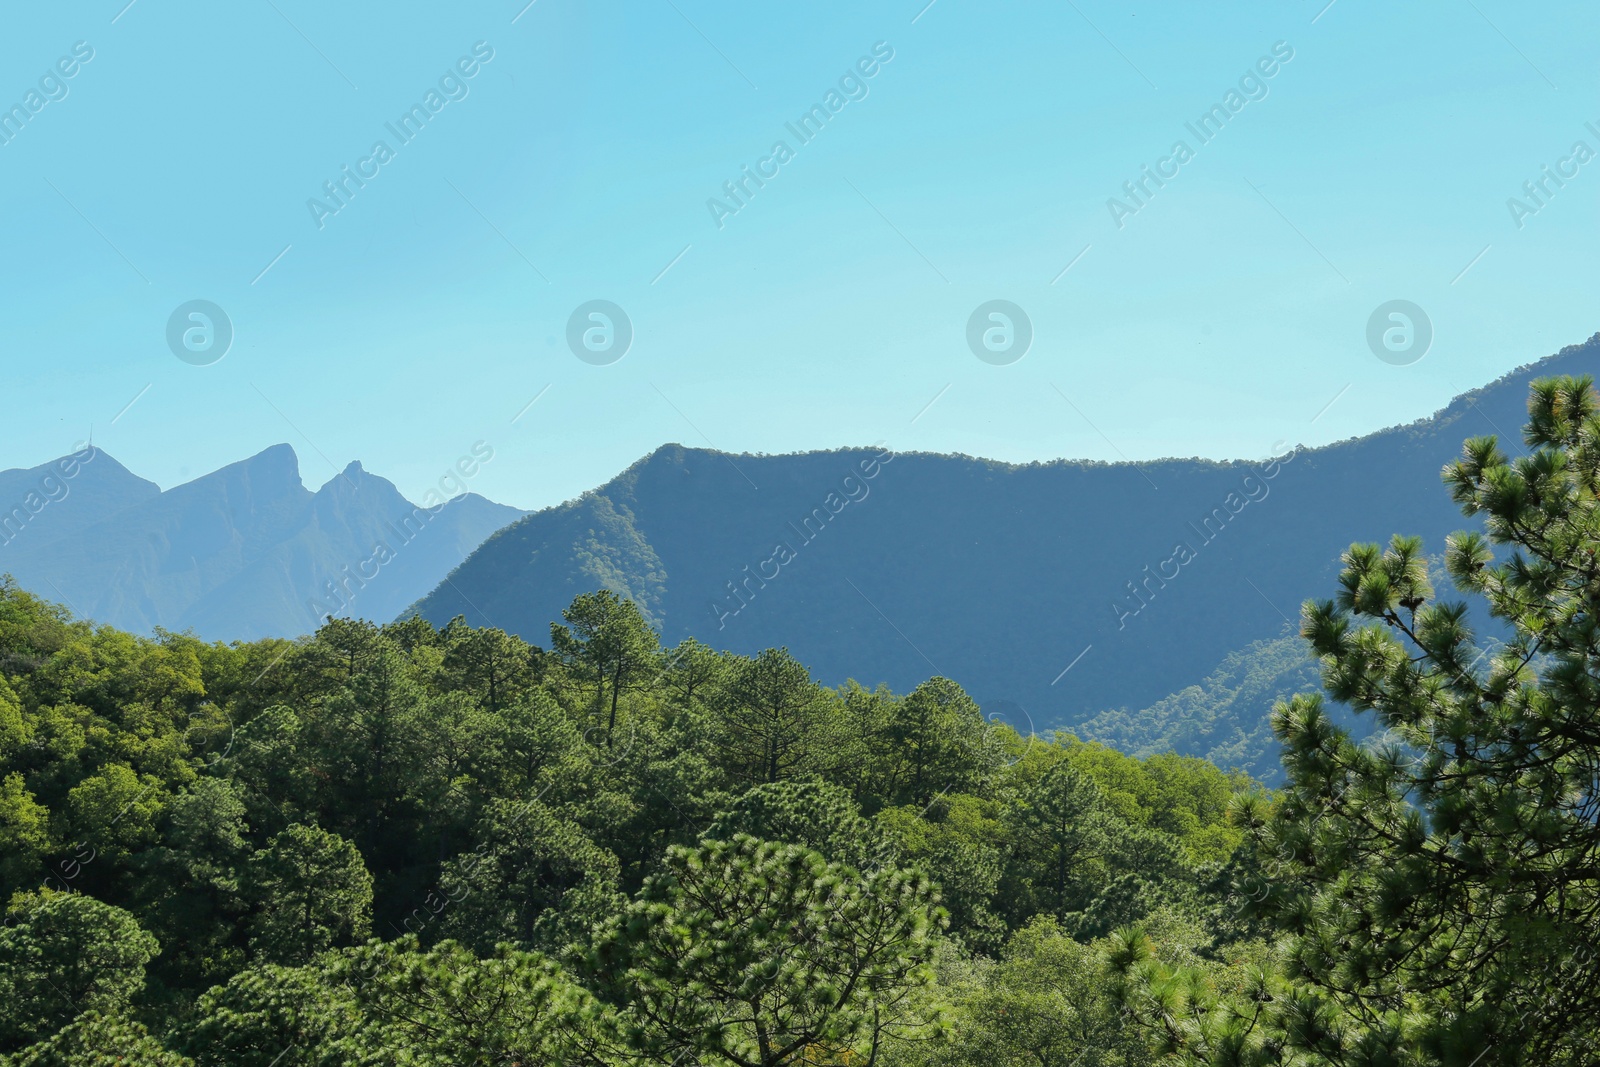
x: 1059, y: 594
x: 244, y: 552
x: 1150, y: 606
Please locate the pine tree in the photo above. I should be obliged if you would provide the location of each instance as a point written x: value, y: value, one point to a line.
x: 312, y: 893
x: 772, y: 721
x: 607, y: 644
x: 1440, y: 893
x: 1062, y: 833
x: 747, y: 953
x: 62, y: 954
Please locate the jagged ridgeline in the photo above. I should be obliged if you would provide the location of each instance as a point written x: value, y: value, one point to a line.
x: 244, y: 552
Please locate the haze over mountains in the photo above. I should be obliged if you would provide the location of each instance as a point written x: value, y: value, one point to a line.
x: 1149, y: 606
x: 244, y: 552
x: 1054, y: 592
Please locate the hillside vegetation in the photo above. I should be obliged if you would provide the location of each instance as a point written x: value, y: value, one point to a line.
x: 384, y: 841
x: 418, y: 845
x: 889, y: 566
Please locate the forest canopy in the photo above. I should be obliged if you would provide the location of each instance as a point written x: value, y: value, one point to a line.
x: 402, y: 840
x: 408, y: 844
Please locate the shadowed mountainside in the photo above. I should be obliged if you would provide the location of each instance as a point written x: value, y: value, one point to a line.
x: 1053, y: 592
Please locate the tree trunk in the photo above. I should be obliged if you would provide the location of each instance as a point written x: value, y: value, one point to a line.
x: 616, y: 691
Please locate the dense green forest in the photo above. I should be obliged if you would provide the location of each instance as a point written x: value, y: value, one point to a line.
x: 406, y: 844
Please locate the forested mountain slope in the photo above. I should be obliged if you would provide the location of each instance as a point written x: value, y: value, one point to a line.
x: 409, y: 844
x: 1141, y: 580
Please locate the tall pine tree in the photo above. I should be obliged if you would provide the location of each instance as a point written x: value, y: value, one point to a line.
x: 1439, y: 894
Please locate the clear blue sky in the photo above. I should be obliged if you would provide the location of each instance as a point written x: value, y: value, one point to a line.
x: 1220, y: 318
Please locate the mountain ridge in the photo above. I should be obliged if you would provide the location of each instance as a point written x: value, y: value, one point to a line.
x: 969, y: 567
x: 243, y: 552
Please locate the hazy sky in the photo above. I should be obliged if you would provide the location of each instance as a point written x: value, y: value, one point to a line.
x: 1216, y: 314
